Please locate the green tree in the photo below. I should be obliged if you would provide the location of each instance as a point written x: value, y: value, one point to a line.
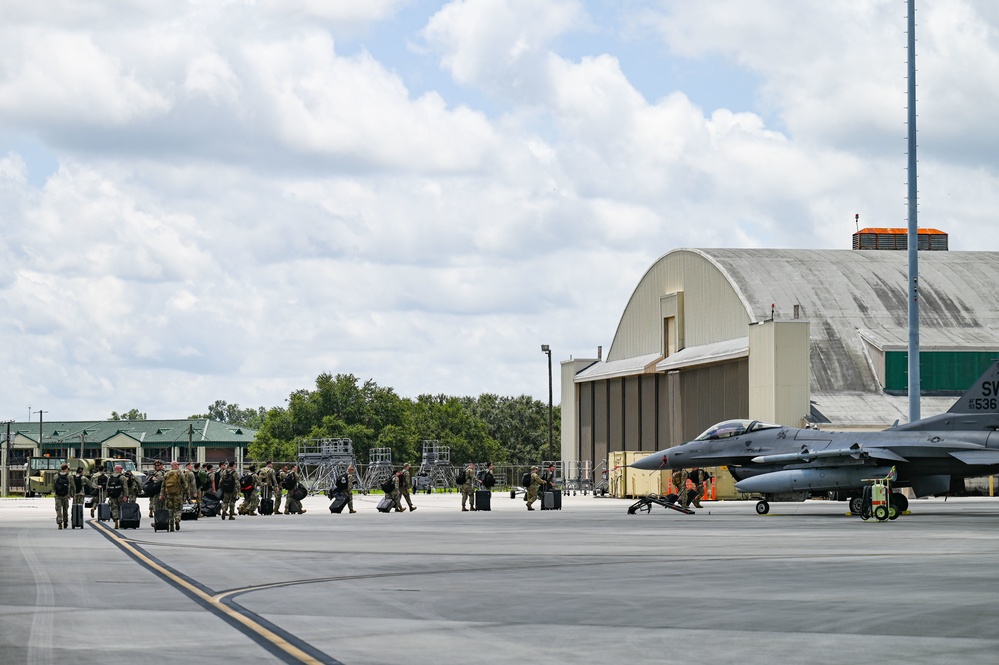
x: 133, y: 414
x: 519, y: 425
x: 449, y: 421
x: 231, y: 414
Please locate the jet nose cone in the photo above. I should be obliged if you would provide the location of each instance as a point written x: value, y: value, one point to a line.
x: 653, y: 462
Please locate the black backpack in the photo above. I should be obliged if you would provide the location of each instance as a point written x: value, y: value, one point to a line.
x: 388, y: 486
x: 61, y: 485
x: 115, y: 487
x: 342, y: 482
x: 246, y: 482
x: 488, y: 480
x: 290, y: 482
x: 461, y: 477
x: 526, y: 479
x: 228, y: 482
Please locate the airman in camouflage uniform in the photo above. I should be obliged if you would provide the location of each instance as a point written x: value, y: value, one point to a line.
x: 405, y: 484
x: 292, y: 505
x: 251, y: 499
x: 532, y: 487
x: 281, y: 475
x: 268, y: 481
x: 79, y: 485
x: 468, y: 488
x: 172, y: 493
x: 192, y: 483
x: 62, y: 502
x: 349, y: 492
x: 228, y: 498
x: 116, y: 485
x: 156, y: 477
x: 98, y: 480
x: 132, y: 487
x: 679, y: 480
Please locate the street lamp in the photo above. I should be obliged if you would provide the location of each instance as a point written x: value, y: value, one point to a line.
x: 545, y: 349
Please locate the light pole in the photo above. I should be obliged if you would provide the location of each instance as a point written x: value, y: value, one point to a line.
x: 545, y: 349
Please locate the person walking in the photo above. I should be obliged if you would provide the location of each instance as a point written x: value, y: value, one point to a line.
x: 281, y: 475
x: 405, y: 484
x: 61, y: 488
x: 532, y: 488
x: 229, y: 486
x: 115, y: 490
x: 291, y: 482
x: 468, y: 488
x: 156, y: 481
x: 172, y: 493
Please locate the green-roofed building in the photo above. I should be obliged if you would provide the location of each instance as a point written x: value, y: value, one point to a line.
x: 144, y: 441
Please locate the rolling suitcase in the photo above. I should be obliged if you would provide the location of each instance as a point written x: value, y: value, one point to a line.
x: 339, y: 501
x: 548, y: 501
x: 131, y: 515
x: 267, y: 506
x: 161, y: 520
x: 386, y: 505
x: 556, y: 499
x: 77, y: 515
x: 103, y: 512
x: 482, y: 498
x: 189, y: 511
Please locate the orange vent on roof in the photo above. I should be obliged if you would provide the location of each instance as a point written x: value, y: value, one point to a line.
x: 897, y: 239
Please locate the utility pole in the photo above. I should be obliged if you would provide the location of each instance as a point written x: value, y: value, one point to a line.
x: 551, y: 451
x: 5, y: 462
x: 913, y: 234
x: 40, y: 449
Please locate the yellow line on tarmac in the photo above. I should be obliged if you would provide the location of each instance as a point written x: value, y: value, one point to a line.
x: 214, y: 601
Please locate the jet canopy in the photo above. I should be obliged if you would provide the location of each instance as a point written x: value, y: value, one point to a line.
x: 733, y: 428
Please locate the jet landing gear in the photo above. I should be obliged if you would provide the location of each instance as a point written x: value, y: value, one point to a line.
x: 762, y: 507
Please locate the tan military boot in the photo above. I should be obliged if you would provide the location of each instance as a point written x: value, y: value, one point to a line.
x: 116, y: 524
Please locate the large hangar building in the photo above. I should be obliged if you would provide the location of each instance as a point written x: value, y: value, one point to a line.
x: 796, y: 337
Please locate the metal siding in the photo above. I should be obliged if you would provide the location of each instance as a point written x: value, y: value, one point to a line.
x: 632, y: 413
x: 649, y: 410
x: 600, y: 422
x: 938, y: 370
x: 615, y: 415
x: 712, y: 311
x: 586, y: 421
x: 713, y: 394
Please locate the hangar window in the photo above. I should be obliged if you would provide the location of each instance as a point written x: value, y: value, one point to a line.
x: 939, y: 371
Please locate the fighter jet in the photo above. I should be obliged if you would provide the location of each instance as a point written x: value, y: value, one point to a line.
x: 787, y: 463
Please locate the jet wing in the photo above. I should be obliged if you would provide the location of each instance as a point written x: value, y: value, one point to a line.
x: 885, y: 454
x: 977, y: 457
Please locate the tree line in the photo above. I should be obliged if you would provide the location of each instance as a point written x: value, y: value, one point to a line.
x: 512, y: 430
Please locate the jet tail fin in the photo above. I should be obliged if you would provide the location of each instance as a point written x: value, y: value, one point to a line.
x: 983, y: 396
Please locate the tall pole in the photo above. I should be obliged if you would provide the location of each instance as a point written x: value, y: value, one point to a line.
x: 5, y: 490
x: 913, y: 235
x: 551, y: 451
x: 40, y: 449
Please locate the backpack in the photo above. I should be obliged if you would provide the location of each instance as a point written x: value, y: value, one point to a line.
x: 342, y: 482
x: 203, y: 480
x: 461, y: 478
x: 290, y: 482
x: 389, y: 485
x: 228, y: 483
x: 102, y: 481
x: 115, y: 487
x: 171, y: 483
x: 488, y: 480
x: 246, y: 482
x: 61, y: 485
x: 526, y: 480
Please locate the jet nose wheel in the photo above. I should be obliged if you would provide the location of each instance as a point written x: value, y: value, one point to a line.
x: 762, y: 507
x: 857, y: 505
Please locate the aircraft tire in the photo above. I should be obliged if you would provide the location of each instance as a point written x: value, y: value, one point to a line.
x: 762, y: 507
x: 880, y: 513
x: 900, y: 501
x: 857, y: 505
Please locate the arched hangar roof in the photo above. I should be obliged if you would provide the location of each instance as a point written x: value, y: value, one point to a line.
x: 846, y: 295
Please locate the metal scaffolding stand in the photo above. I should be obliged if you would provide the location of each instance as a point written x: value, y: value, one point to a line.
x: 578, y: 476
x: 320, y: 461
x: 379, y: 469
x: 435, y: 470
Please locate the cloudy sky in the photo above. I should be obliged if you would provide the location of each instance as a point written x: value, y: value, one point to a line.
x: 221, y: 200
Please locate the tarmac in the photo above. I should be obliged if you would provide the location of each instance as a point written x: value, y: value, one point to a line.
x: 587, y: 584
